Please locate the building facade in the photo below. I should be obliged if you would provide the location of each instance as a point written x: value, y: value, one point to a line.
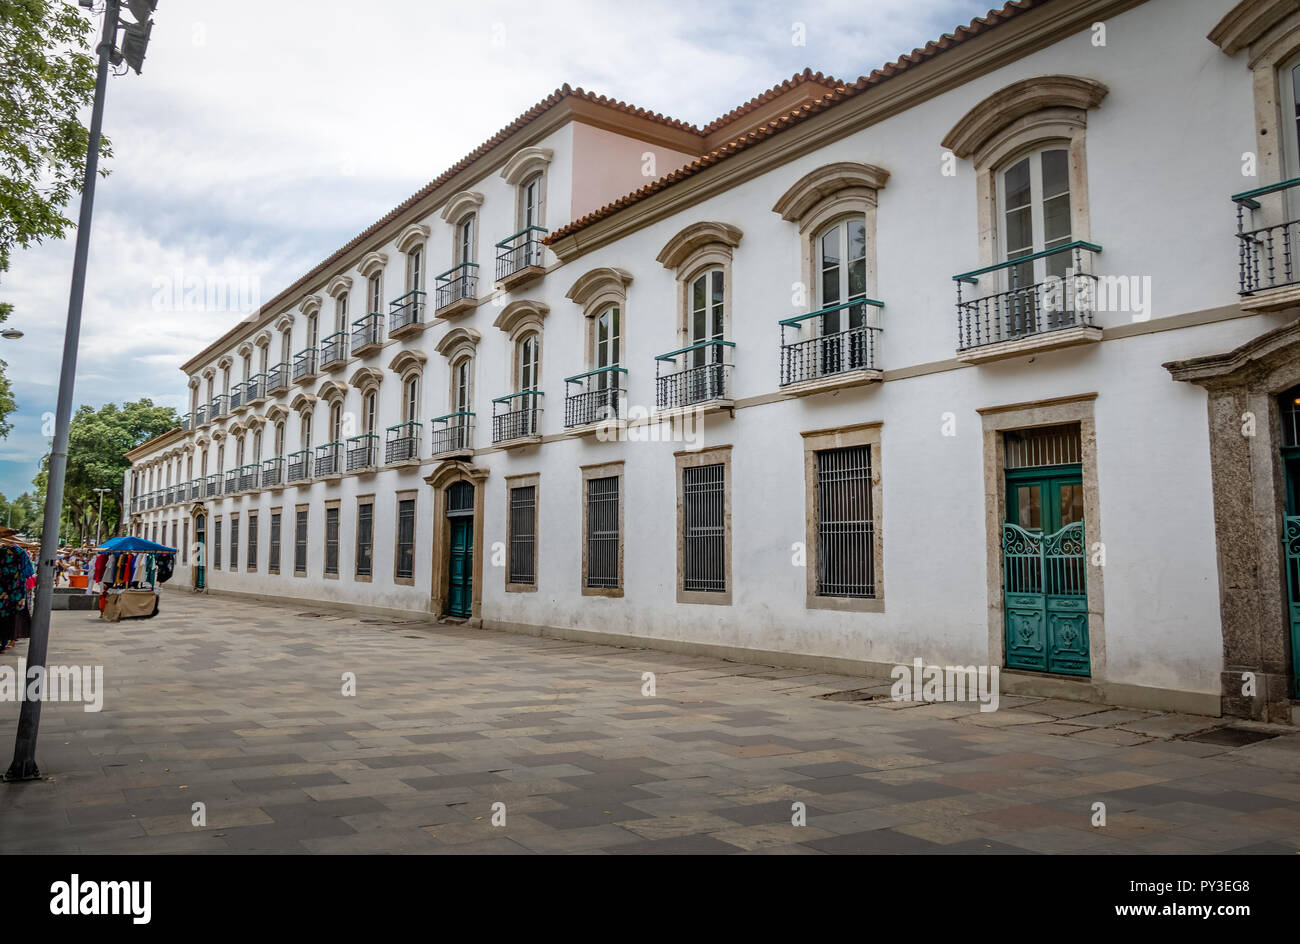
x: 987, y: 357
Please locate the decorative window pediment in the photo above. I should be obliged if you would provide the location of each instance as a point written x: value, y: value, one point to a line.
x: 698, y: 236
x: 412, y: 236
x: 372, y: 262
x: 526, y: 161
x: 225, y: 362
x: 332, y: 390
x: 600, y: 285
x: 465, y: 202
x: 457, y: 338
x: 284, y: 323
x: 1248, y: 22
x: 407, y: 360
x: 366, y: 378
x: 303, y: 403
x: 339, y: 285
x: 263, y: 339
x: 520, y: 314
x: 829, y: 182
x: 978, y: 128
x: 309, y: 305
x: 277, y: 413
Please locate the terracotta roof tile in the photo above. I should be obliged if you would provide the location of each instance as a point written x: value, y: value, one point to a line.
x: 980, y: 24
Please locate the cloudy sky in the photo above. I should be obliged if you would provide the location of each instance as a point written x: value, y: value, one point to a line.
x: 263, y: 135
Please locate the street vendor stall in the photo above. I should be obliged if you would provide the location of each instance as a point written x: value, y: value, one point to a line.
x: 130, y: 571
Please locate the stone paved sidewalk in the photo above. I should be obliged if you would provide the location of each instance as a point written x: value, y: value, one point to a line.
x: 239, y: 706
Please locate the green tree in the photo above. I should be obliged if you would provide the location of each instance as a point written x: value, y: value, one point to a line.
x: 98, y: 441
x: 47, y: 82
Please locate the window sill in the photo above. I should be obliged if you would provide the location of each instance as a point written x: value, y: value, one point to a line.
x: 456, y: 309
x: 521, y: 277
x: 407, y: 330
x: 845, y: 604
x: 519, y: 442
x: 842, y: 381
x: 1031, y: 344
x: 521, y: 588
x: 602, y: 592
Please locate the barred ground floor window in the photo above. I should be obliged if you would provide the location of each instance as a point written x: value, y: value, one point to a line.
x: 273, y: 556
x: 300, y: 543
x: 602, y: 560
x: 252, y: 542
x: 521, y: 569
x: 842, y: 482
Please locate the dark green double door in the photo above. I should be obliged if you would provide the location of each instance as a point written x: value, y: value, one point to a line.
x: 1044, y: 571
x: 460, y: 566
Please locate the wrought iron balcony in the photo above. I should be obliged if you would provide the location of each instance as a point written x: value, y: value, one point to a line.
x: 304, y: 364
x: 213, y: 485
x: 450, y: 434
x: 334, y: 350
x: 200, y: 417
x: 1266, y: 237
x: 237, y: 396
x: 299, y: 465
x: 456, y: 285
x: 521, y: 252
x: 255, y: 388
x: 328, y: 458
x: 196, y: 489
x: 247, y: 477
x: 515, y: 416
x: 231, y: 483
x: 405, y: 313
x: 700, y: 373
x: 595, y: 397
x: 812, y: 350
x: 402, y: 442
x: 185, y: 423
x: 367, y: 333
x: 1017, y: 308
x: 362, y: 451
x: 272, y: 472
x: 220, y: 406
x: 278, y: 377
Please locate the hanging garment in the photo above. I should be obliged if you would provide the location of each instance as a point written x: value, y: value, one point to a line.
x: 15, y: 568
x: 101, y: 563
x: 166, y: 563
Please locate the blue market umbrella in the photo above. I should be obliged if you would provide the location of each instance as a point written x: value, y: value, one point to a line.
x: 133, y: 545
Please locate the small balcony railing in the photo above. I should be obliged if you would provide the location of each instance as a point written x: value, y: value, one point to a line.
x: 696, y: 374
x: 212, y: 485
x: 299, y: 465
x: 255, y: 388
x: 595, y: 397
x: 195, y: 489
x: 200, y: 417
x: 515, y: 415
x: 451, y: 433
x: 248, y: 477
x: 220, y: 406
x: 327, y: 458
x: 1267, y: 232
x: 237, y: 396
x: 334, y: 350
x: 185, y: 423
x: 812, y: 350
x: 521, y: 251
x: 231, y: 483
x: 367, y: 332
x: 362, y: 451
x: 304, y: 364
x: 402, y: 442
x: 456, y: 284
x: 1018, y: 307
x: 272, y: 472
x: 405, y: 311
x: 278, y: 377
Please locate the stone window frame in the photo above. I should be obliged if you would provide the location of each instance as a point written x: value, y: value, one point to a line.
x: 826, y: 195
x: 1015, y: 121
x: 367, y: 499
x: 306, y: 562
x: 455, y: 346
x: 271, y: 513
x: 616, y: 469
x: 216, y: 542
x: 686, y: 459
x: 460, y: 207
x: 996, y: 421
x: 518, y: 320
x: 414, y: 237
x: 695, y: 250
x: 594, y: 292
x: 524, y: 480
x: 814, y: 441
x: 525, y: 165
x: 413, y: 495
x: 252, y: 543
x: 340, y: 287
x: 371, y: 265
x: 332, y: 504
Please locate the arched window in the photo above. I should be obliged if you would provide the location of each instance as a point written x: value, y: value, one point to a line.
x: 239, y: 452
x: 203, y: 463
x: 313, y: 331
x: 411, y: 399
x: 341, y: 312
x: 286, y: 346
x: 221, y: 458
x: 530, y: 202
x: 707, y: 316
x: 306, y: 431
x: 841, y: 251
x: 248, y: 366
x: 1034, y: 215
x: 461, y: 379
x: 336, y: 421
x: 279, y: 440
x: 371, y: 411
x: 527, y: 361
x: 375, y: 292
x: 465, y: 241
x: 414, y: 269
x: 257, y: 446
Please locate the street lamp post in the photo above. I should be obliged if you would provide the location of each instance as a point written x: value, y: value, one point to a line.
x: 24, y: 766
x: 99, y: 515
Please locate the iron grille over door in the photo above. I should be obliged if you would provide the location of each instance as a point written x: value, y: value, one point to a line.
x: 602, y: 532
x: 523, y: 534
x: 845, y: 563
x: 704, y: 528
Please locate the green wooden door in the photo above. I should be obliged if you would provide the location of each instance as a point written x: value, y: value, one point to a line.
x: 460, y: 570
x: 1044, y: 571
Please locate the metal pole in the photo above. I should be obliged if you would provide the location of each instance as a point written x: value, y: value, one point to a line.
x: 99, y: 516
x: 29, y: 718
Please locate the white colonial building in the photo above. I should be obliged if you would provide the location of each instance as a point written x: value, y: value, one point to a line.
x: 987, y: 357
